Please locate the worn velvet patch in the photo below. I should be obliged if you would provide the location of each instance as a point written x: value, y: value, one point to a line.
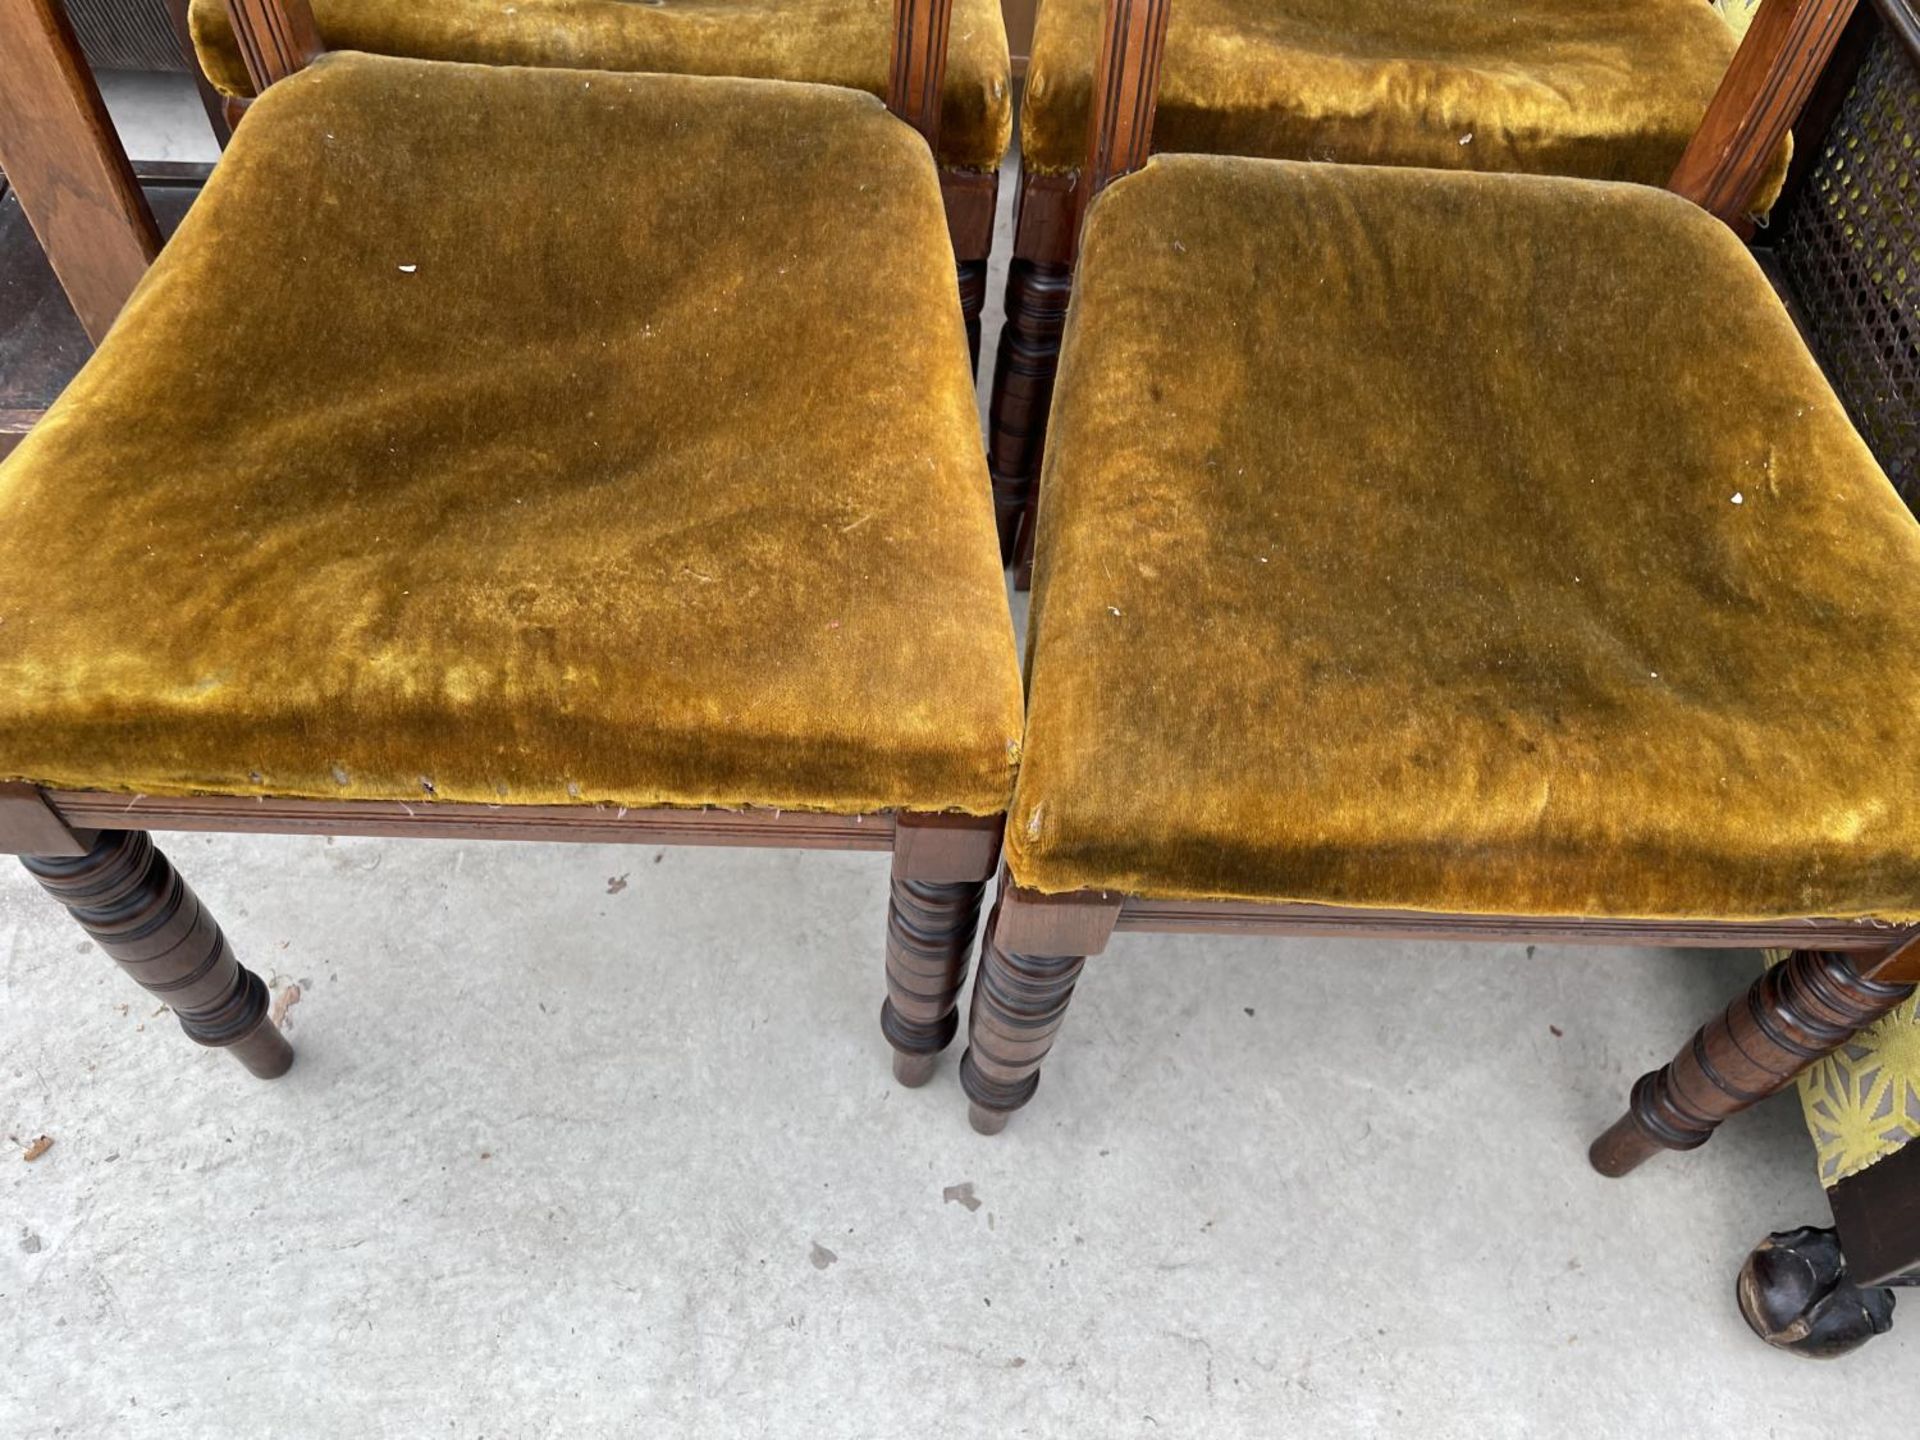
x: 826, y: 42
x: 1461, y: 543
x: 439, y: 455
x: 1608, y: 89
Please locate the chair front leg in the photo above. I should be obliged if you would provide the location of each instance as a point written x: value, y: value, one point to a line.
x: 941, y: 865
x: 1029, y: 358
x: 1797, y: 1294
x: 134, y: 904
x: 1794, y: 1015
x: 1029, y: 963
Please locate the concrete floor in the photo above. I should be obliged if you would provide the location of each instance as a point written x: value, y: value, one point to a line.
x: 591, y: 1141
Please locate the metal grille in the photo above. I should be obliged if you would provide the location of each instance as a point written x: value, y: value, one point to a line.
x: 126, y: 34
x: 1851, y: 253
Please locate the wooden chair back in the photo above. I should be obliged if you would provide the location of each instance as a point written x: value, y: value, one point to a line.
x: 1768, y: 82
x: 66, y: 164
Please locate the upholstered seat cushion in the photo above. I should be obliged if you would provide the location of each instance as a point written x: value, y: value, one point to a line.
x: 1606, y: 89
x: 428, y: 461
x: 826, y: 42
x: 1460, y: 543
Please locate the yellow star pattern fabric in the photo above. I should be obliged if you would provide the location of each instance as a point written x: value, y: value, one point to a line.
x: 1862, y: 1103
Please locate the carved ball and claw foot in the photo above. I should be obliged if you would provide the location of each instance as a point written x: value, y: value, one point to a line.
x: 930, y: 930
x: 1797, y: 1295
x: 1796, y: 1014
x: 125, y: 894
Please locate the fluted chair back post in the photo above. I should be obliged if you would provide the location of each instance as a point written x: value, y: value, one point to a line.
x: 1126, y: 87
x: 1773, y: 73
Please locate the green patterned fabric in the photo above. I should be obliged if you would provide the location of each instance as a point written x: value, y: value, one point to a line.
x: 1862, y: 1103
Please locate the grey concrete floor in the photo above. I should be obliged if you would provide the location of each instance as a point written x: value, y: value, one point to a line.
x: 592, y: 1141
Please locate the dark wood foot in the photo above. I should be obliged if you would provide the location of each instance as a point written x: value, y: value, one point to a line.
x: 912, y: 1071
x: 1795, y: 1014
x: 985, y: 1121
x: 1029, y: 355
x: 134, y: 904
x: 973, y: 299
x: 1797, y: 1295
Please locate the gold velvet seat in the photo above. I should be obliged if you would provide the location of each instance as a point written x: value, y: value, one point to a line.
x: 827, y: 42
x: 1396, y: 551
x: 1607, y: 89
x: 407, y: 474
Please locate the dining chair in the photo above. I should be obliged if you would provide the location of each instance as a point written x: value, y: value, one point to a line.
x: 1609, y: 91
x: 428, y: 485
x: 967, y: 115
x: 1470, y: 557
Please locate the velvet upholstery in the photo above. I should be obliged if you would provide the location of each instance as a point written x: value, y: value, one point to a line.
x: 428, y: 461
x: 1395, y: 552
x: 827, y: 42
x: 1606, y: 89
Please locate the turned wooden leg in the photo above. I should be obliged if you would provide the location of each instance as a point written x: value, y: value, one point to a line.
x: 1795, y: 1014
x: 1796, y: 1293
x: 134, y: 904
x: 930, y: 930
x: 941, y: 865
x: 1021, y: 995
x: 1029, y: 355
x: 1029, y: 533
x: 1019, y: 1003
x: 973, y: 299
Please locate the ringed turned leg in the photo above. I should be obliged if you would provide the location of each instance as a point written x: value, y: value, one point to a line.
x: 973, y: 300
x: 134, y: 904
x: 1029, y: 963
x: 941, y: 865
x: 1794, y: 1015
x: 1029, y: 356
